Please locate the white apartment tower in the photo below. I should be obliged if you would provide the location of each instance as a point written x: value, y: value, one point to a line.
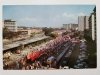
x: 83, y: 23
x: 10, y: 25
x: 70, y: 26
x: 92, y: 25
x: 86, y: 22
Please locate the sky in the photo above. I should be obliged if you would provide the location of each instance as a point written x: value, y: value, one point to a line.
x: 45, y: 15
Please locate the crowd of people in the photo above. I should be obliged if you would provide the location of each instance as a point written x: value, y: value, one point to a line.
x: 37, y: 59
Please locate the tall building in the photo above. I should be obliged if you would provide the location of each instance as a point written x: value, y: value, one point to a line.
x: 10, y: 25
x: 83, y: 23
x: 92, y: 25
x: 70, y: 26
x: 86, y: 22
x: 67, y: 26
x: 74, y: 26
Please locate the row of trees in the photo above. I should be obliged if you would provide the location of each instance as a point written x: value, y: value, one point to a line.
x: 91, y: 50
x: 49, y: 32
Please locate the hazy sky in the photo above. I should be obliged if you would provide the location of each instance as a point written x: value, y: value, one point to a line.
x: 45, y: 15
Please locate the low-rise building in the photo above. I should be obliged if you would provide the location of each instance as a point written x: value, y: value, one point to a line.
x: 29, y: 31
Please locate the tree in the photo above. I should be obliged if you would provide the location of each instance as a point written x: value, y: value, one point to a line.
x: 5, y: 32
x: 9, y: 34
x: 47, y: 31
x: 54, y: 35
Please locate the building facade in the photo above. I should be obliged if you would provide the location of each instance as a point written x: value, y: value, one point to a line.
x: 83, y: 23
x: 74, y: 26
x: 92, y: 25
x: 70, y: 26
x: 67, y: 26
x: 29, y: 31
x: 86, y: 22
x: 10, y: 25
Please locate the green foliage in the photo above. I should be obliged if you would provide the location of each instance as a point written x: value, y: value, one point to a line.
x: 47, y: 31
x: 54, y: 35
x: 9, y: 34
x: 92, y: 52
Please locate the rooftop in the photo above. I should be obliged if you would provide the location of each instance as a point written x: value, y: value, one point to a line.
x: 18, y: 43
x: 9, y: 20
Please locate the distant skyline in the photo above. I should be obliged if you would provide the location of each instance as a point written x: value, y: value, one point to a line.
x: 45, y: 15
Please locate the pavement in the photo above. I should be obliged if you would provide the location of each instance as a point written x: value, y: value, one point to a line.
x: 18, y: 43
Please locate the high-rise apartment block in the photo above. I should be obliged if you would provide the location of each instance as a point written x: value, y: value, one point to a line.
x: 70, y: 26
x: 83, y: 23
x: 92, y: 25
